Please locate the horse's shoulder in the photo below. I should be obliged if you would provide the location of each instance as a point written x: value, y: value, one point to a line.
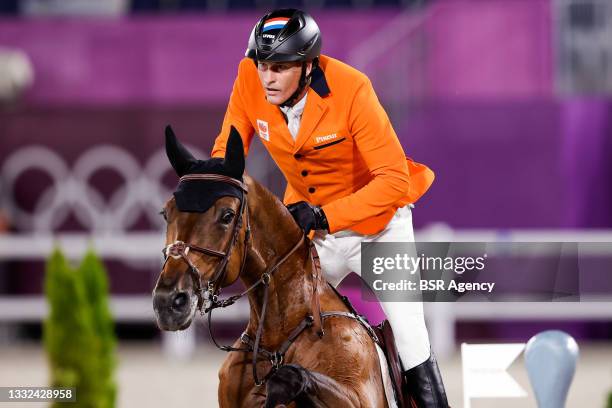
x: 232, y: 361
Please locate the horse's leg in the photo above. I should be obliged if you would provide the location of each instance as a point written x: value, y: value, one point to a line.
x: 307, y: 388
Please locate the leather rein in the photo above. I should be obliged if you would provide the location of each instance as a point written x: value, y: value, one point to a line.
x: 208, y: 292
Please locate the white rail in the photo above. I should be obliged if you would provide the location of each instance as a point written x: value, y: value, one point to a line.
x: 125, y: 309
x: 147, y: 246
x: 136, y: 246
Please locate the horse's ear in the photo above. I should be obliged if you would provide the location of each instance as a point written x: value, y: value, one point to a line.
x: 179, y: 156
x: 234, y: 154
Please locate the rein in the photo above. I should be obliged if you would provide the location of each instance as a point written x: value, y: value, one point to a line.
x: 208, y: 293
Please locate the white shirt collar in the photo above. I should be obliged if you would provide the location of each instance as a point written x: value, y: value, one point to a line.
x: 297, y: 109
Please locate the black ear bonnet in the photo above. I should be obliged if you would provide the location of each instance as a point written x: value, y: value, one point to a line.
x: 200, y: 195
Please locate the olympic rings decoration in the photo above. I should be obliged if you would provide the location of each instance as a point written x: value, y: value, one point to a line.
x: 70, y: 190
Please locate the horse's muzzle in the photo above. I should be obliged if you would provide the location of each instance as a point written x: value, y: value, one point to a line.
x: 174, y: 309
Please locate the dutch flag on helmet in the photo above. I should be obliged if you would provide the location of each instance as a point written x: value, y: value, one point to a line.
x: 275, y: 23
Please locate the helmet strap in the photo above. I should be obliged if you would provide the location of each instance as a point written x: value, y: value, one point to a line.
x: 303, y: 83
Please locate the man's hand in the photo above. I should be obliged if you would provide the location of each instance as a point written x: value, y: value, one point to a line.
x: 309, y: 217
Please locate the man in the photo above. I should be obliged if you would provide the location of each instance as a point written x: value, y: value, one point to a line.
x: 347, y: 176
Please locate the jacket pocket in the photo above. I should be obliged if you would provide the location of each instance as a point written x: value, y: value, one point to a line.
x: 323, y: 146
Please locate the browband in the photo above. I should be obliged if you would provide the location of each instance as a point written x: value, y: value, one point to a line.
x: 215, y: 177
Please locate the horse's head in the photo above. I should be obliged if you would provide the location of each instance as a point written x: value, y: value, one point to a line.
x: 206, y: 231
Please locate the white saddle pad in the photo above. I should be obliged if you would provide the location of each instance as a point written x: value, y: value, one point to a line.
x: 386, y: 378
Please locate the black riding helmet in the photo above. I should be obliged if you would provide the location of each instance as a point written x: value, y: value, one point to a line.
x: 286, y: 35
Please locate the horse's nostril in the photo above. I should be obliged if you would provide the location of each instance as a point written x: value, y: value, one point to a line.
x: 180, y: 300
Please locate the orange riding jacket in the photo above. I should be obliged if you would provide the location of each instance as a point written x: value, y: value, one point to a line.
x: 346, y: 157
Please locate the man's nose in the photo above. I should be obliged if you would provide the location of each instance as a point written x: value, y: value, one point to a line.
x: 269, y: 77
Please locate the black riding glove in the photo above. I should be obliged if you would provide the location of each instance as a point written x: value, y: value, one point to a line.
x: 309, y: 217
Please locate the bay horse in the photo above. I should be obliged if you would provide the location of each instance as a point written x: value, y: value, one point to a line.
x: 302, y: 345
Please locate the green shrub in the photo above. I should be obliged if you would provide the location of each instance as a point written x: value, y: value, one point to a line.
x: 96, y: 288
x: 79, y: 333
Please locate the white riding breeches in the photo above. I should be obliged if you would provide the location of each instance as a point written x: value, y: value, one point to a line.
x: 340, y: 254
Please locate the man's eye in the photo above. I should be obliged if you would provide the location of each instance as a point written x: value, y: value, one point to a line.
x: 227, y: 217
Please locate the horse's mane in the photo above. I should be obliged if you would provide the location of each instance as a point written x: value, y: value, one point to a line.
x: 269, y: 202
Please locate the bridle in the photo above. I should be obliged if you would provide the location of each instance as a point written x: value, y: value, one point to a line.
x: 208, y: 293
x: 179, y: 249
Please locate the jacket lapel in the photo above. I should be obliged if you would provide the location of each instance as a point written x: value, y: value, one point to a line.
x: 279, y: 121
x: 313, y: 113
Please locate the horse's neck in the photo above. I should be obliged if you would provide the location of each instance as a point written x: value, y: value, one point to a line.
x: 274, y: 234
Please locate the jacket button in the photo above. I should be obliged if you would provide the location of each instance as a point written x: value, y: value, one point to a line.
x: 304, y: 173
x: 311, y: 189
x: 297, y: 156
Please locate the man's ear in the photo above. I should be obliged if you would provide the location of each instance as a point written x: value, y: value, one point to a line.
x: 308, y: 68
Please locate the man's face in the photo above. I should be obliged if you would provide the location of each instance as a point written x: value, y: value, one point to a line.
x: 279, y: 79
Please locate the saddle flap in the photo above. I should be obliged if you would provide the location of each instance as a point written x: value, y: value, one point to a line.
x: 387, y: 343
x: 315, y: 305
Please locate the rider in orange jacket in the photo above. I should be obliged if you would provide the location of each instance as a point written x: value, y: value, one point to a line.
x: 347, y: 174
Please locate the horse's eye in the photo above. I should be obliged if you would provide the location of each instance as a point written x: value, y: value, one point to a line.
x: 163, y: 214
x: 227, y: 216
